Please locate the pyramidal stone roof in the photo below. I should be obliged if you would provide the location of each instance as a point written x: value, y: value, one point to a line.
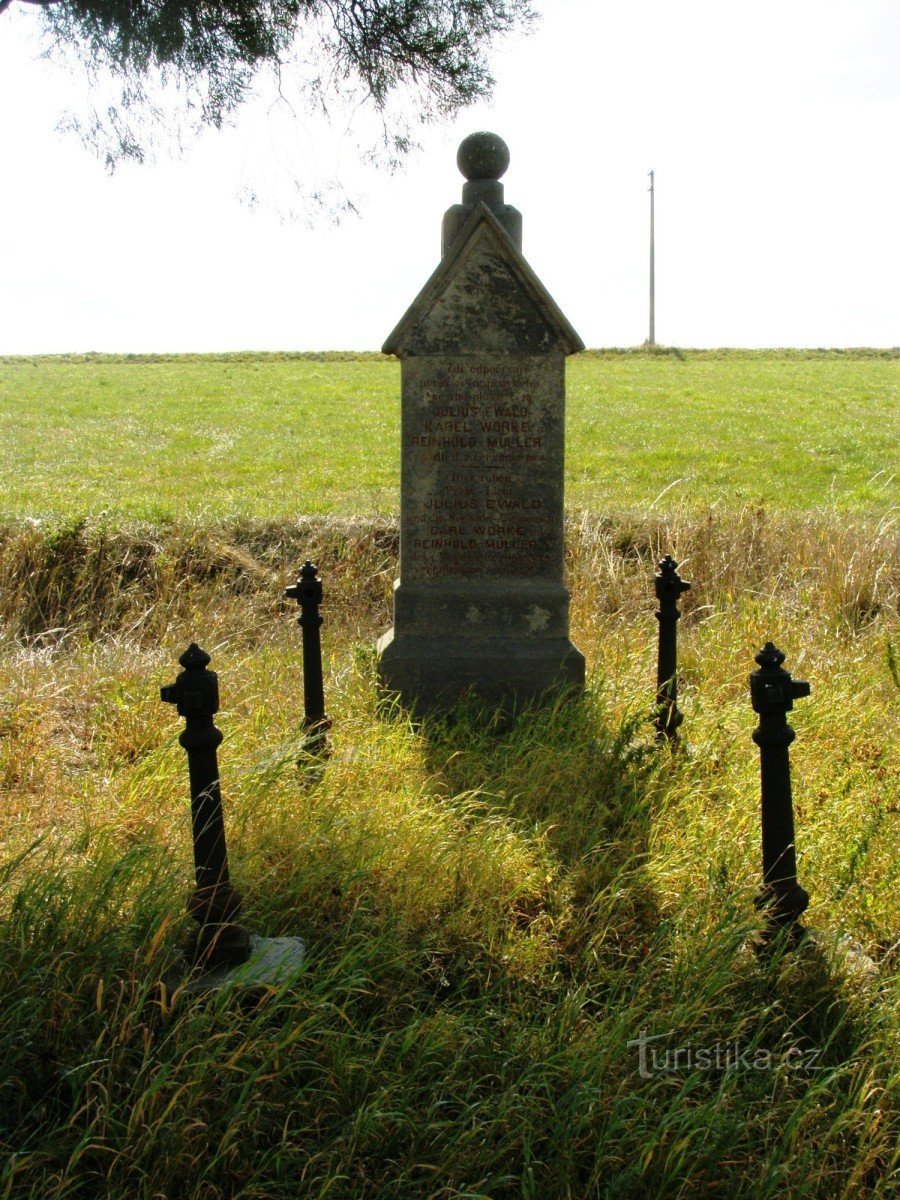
x: 483, y: 298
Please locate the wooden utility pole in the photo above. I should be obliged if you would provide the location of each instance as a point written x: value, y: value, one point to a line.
x: 651, y: 340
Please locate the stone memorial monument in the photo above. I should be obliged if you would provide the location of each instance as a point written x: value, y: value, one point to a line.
x: 480, y: 603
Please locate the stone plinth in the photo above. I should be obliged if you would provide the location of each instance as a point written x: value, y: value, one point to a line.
x: 480, y: 602
x: 274, y: 963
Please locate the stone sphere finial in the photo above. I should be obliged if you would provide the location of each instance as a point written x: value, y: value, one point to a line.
x: 482, y: 156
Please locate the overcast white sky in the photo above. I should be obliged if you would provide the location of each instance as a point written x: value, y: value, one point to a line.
x: 773, y: 128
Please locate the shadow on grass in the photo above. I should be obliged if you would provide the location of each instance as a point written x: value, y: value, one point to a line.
x: 584, y: 783
x: 726, y: 1026
x: 489, y: 1086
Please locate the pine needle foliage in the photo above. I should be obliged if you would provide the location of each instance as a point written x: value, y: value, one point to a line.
x: 213, y: 56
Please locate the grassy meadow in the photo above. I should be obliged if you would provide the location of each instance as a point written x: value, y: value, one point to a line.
x: 276, y: 436
x: 495, y: 915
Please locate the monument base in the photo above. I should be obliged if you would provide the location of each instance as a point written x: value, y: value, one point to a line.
x: 434, y: 672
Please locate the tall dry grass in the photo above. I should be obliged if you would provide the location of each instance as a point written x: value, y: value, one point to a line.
x: 88, y: 579
x: 493, y: 914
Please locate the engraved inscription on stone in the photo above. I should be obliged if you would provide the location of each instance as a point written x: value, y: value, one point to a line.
x: 480, y: 602
x: 483, y: 453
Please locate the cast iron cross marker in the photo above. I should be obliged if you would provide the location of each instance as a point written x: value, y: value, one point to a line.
x: 772, y: 693
x: 669, y: 585
x: 307, y: 591
x: 215, y: 905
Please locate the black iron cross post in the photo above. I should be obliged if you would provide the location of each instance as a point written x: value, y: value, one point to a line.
x: 215, y: 905
x: 772, y: 693
x: 669, y: 586
x: 307, y: 591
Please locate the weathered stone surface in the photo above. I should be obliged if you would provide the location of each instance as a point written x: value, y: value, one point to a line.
x: 482, y: 158
x: 273, y: 963
x: 480, y: 603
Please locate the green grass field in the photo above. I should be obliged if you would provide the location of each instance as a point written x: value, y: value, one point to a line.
x: 495, y: 916
x: 274, y: 436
